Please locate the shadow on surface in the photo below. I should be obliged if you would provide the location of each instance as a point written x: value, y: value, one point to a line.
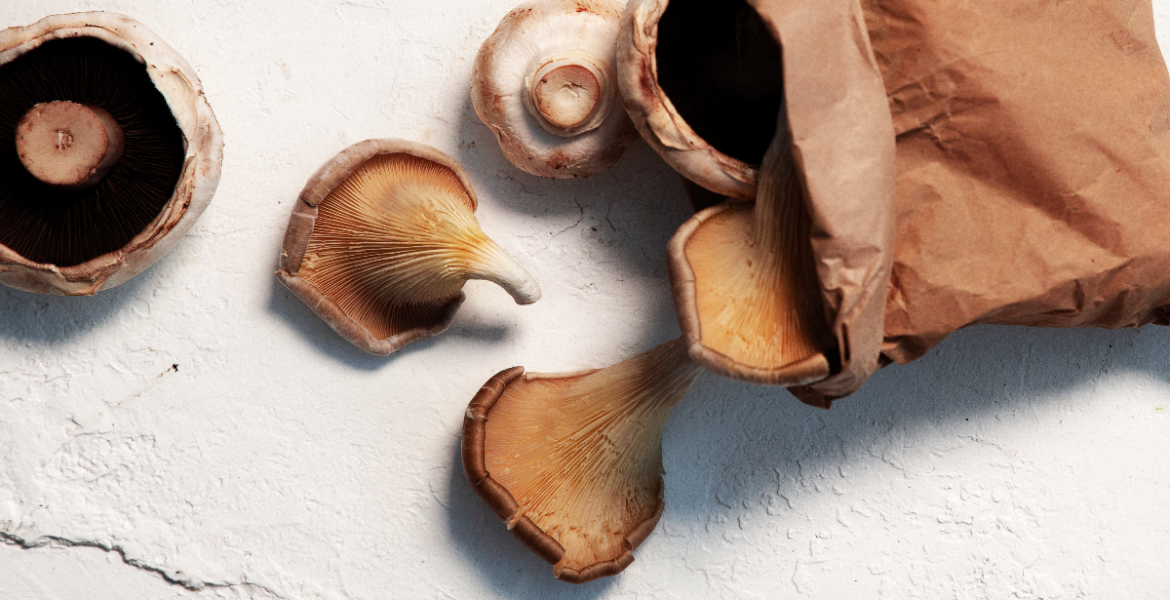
x: 753, y: 443
x: 300, y: 317
x: 628, y: 211
x: 52, y: 319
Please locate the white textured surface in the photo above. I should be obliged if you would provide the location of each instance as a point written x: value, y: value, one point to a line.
x: 214, y: 432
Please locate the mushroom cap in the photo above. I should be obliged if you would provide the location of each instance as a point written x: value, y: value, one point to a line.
x: 516, y: 80
x: 69, y: 145
x: 572, y: 463
x: 381, y: 241
x: 739, y: 82
x: 176, y: 81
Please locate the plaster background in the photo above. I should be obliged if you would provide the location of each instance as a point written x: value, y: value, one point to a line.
x: 199, y: 433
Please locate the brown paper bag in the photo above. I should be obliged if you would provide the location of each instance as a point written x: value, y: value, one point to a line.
x: 1032, y: 169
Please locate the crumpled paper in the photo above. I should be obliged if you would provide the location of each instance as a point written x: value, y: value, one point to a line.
x: 1030, y: 168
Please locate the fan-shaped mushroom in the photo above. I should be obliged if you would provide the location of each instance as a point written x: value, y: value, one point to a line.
x: 572, y: 463
x: 383, y: 238
x: 544, y: 83
x: 745, y: 287
x: 113, y: 152
x: 701, y: 81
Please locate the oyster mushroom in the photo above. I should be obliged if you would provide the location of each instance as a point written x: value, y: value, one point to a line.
x: 113, y: 152
x: 573, y: 463
x: 544, y: 83
x: 745, y: 286
x: 702, y: 83
x: 381, y: 241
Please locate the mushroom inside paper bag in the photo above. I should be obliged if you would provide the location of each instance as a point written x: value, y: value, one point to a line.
x: 1002, y: 162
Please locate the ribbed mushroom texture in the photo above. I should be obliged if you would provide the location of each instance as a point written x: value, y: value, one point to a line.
x: 745, y: 288
x: 703, y: 82
x: 391, y: 239
x: 544, y: 83
x: 112, y: 152
x: 573, y: 463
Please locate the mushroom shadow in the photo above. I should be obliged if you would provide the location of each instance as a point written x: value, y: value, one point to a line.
x: 763, y: 443
x: 300, y: 317
x: 52, y: 319
x: 490, y: 170
x: 628, y: 211
x: 502, y: 561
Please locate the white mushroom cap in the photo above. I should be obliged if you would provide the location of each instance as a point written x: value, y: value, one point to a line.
x: 544, y: 82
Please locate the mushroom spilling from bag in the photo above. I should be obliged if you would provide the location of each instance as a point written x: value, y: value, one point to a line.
x: 382, y: 240
x: 937, y: 165
x: 572, y: 463
x: 113, y: 152
x: 544, y: 83
x: 744, y: 286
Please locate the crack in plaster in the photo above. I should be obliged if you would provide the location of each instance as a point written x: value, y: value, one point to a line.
x: 175, y: 578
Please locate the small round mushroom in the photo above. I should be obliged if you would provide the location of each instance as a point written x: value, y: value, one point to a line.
x: 572, y: 463
x: 381, y: 241
x: 703, y: 83
x: 544, y: 83
x: 113, y: 152
x: 745, y: 288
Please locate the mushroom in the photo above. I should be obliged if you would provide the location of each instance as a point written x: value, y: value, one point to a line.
x: 544, y: 83
x: 381, y: 241
x: 113, y: 152
x: 701, y: 81
x: 745, y: 287
x: 572, y: 463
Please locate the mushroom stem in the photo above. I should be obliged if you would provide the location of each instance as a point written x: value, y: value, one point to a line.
x: 785, y: 280
x: 69, y: 145
x: 573, y: 463
x: 781, y: 223
x: 494, y: 265
x: 568, y: 93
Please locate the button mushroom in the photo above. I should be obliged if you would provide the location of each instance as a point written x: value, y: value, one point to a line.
x: 745, y: 287
x: 544, y: 83
x: 113, y: 152
x: 701, y: 81
x: 573, y: 463
x: 381, y: 241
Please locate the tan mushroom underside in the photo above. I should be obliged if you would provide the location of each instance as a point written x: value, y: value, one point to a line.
x: 347, y: 251
x: 382, y: 240
x: 573, y: 463
x: 745, y: 287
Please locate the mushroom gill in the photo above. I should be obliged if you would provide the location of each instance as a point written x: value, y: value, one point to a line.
x: 384, y: 252
x: 745, y: 287
x: 573, y: 463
